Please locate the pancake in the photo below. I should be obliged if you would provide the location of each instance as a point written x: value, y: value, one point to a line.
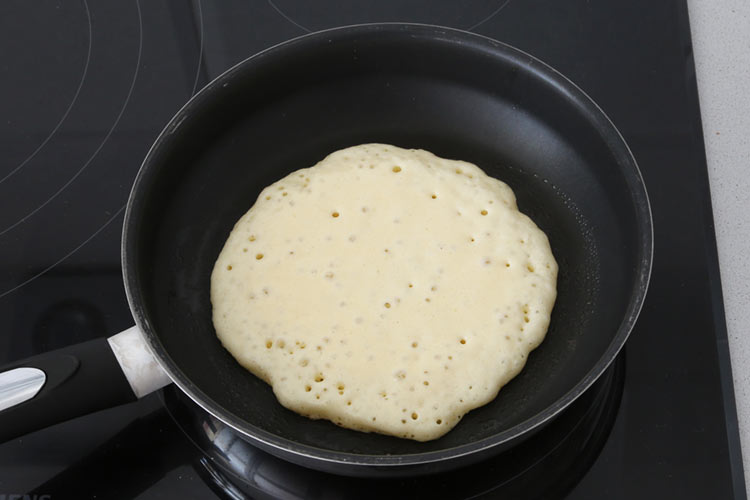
x: 386, y: 290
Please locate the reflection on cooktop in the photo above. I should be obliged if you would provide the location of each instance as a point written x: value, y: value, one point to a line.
x: 547, y: 465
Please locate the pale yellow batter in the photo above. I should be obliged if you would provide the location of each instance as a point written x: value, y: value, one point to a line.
x: 384, y: 289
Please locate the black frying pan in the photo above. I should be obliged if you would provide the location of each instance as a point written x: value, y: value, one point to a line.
x: 456, y: 94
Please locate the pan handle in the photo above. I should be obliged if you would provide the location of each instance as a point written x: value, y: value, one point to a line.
x: 76, y: 380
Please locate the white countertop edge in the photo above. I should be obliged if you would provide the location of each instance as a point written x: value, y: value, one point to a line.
x: 721, y: 45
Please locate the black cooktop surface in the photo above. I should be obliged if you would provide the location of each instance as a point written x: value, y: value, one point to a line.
x: 86, y: 88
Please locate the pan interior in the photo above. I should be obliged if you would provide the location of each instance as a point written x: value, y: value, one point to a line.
x: 473, y: 101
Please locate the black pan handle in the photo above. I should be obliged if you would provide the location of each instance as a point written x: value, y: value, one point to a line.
x: 77, y: 380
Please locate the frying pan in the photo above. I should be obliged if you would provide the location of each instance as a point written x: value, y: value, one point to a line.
x: 456, y: 94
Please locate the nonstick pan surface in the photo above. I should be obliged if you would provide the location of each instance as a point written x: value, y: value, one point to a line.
x: 456, y: 94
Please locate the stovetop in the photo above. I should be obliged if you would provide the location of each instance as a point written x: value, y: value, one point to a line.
x: 88, y: 86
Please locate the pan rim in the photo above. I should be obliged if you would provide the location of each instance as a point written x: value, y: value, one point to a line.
x: 284, y: 447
